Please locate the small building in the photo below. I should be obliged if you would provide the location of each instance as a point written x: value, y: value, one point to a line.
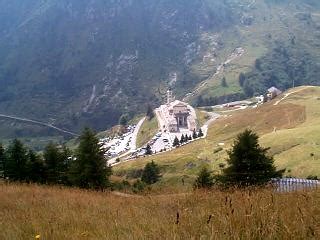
x: 176, y: 115
x: 273, y: 92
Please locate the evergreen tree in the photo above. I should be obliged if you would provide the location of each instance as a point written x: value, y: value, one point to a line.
x: 182, y: 139
x: 242, y: 79
x: 150, y: 113
x: 151, y: 173
x: 224, y: 82
x: 176, y: 142
x: 2, y: 161
x: 15, y: 161
x: 186, y: 139
x: 194, y: 135
x: 90, y: 169
x: 65, y: 165
x: 35, y: 168
x: 204, y: 179
x: 148, y: 150
x: 52, y: 159
x: 200, y: 133
x: 190, y: 138
x: 123, y: 121
x: 249, y: 163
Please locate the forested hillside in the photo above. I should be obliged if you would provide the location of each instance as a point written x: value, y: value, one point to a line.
x: 73, y: 63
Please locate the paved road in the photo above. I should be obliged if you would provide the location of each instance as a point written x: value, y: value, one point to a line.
x: 205, y: 127
x: 133, y: 144
x: 38, y: 123
x: 288, y: 94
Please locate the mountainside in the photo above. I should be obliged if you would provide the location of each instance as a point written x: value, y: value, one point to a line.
x: 289, y: 125
x: 74, y: 62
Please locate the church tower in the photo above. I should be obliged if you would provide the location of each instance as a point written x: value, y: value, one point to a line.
x: 169, y: 96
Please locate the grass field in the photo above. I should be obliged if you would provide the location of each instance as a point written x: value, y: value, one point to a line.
x: 148, y: 129
x: 290, y: 129
x: 58, y: 213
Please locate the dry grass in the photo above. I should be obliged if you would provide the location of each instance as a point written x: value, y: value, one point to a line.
x: 148, y: 129
x: 55, y: 213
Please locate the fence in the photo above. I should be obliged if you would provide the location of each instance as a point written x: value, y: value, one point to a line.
x: 294, y: 184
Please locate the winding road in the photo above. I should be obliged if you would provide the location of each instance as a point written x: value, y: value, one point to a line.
x: 37, y: 123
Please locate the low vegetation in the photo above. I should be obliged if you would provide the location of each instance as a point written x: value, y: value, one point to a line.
x: 58, y: 213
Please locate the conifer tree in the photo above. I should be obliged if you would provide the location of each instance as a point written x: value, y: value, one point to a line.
x: 182, y: 139
x: 151, y: 173
x: 190, y: 138
x: 90, y: 169
x: 224, y: 82
x: 53, y: 163
x: 150, y: 113
x: 186, y: 139
x: 35, y: 168
x: 200, y: 133
x: 249, y: 163
x: 15, y: 161
x: 176, y: 142
x: 148, y: 150
x: 204, y: 179
x: 194, y: 135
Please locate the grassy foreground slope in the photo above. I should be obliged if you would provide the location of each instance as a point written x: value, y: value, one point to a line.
x: 55, y: 213
x: 290, y: 128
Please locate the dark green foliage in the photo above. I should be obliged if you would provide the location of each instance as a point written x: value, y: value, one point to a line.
x: 242, y: 79
x: 285, y: 66
x: 186, y: 138
x: 249, y: 163
x: 200, y: 133
x: 148, y: 150
x: 182, y: 139
x: 138, y: 186
x: 150, y: 113
x: 16, y: 162
x: 204, y: 179
x: 190, y: 138
x: 36, y: 171
x: 123, y: 121
x: 151, y: 173
x: 312, y: 177
x: 176, y: 142
x: 194, y: 134
x: 53, y: 163
x: 224, y: 82
x: 89, y: 170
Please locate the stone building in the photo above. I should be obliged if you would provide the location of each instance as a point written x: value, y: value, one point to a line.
x: 176, y: 115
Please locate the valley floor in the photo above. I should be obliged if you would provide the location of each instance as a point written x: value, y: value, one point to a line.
x: 61, y: 213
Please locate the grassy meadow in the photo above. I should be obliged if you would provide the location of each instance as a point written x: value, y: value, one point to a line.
x: 60, y: 213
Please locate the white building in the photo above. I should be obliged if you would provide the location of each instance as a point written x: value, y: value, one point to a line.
x: 176, y: 115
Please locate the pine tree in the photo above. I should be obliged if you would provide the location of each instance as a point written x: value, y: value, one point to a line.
x: 200, y: 133
x: 182, y: 139
x: 176, y: 142
x: 186, y: 139
x: 15, y: 161
x: 35, y: 168
x: 204, y: 179
x: 148, y: 150
x: 249, y: 163
x: 90, y: 169
x: 53, y: 163
x: 242, y: 79
x: 123, y: 121
x: 151, y: 173
x: 190, y: 138
x: 194, y: 135
x: 150, y: 113
x: 224, y: 82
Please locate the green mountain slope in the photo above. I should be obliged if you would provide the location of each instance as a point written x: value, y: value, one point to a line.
x: 73, y: 63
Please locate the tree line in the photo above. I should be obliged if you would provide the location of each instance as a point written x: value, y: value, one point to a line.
x: 86, y: 167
